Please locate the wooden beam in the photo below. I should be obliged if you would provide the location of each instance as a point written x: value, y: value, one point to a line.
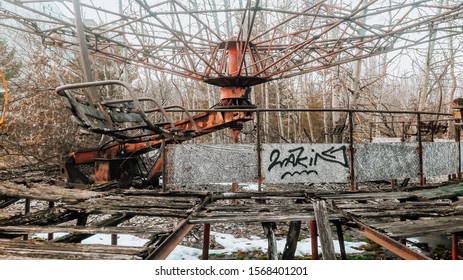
x: 257, y: 218
x: 20, y: 249
x: 324, y: 230
x: 78, y: 237
x: 291, y: 240
x: 80, y: 229
x: 269, y: 231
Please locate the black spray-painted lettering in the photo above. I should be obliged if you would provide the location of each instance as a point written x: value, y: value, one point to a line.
x: 333, y: 155
x: 296, y: 158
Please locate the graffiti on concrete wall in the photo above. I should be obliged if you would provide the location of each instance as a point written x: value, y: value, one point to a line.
x: 286, y: 162
x: 306, y: 163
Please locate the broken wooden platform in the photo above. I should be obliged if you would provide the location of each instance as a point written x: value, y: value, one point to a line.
x: 397, y: 215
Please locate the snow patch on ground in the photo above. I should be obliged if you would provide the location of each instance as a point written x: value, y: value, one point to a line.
x: 230, y: 244
x: 103, y: 239
x: 122, y: 240
x: 233, y: 244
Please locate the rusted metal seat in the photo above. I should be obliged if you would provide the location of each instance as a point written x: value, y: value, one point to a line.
x: 125, y: 119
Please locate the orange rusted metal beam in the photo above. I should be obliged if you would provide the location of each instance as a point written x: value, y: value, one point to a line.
x: 162, y: 251
x: 203, y: 123
x: 169, y: 244
x: 206, y: 241
x: 390, y: 244
x: 206, y: 123
x: 233, y: 61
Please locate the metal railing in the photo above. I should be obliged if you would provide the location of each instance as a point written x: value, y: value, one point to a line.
x: 416, y: 115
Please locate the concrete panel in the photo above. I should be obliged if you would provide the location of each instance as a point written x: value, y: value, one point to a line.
x: 440, y: 158
x: 385, y: 161
x: 211, y: 163
x: 461, y: 158
x: 305, y: 163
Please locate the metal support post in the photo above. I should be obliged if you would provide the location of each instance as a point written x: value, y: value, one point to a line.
x: 353, y: 183
x: 455, y: 252
x: 51, y: 204
x: 403, y: 132
x: 235, y: 189
x: 371, y: 132
x: 313, y: 239
x: 420, y: 152
x: 259, y: 153
x: 82, y: 219
x: 457, y: 138
x: 342, y: 246
x: 113, y: 239
x: 164, y: 170
x: 27, y: 210
x: 206, y: 242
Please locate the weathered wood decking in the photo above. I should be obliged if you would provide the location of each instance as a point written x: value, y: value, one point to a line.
x: 418, y: 212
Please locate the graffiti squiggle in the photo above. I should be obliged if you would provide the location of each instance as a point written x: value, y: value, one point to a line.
x: 308, y: 172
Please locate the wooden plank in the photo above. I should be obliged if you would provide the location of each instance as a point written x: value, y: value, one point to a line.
x: 423, y: 227
x: 109, y: 222
x: 7, y: 214
x: 8, y: 201
x: 12, y: 254
x: 324, y: 230
x: 68, y: 247
x: 272, y: 217
x: 42, y: 217
x: 135, y: 202
x: 247, y: 214
x: 259, y: 208
x: 45, y: 192
x: 51, y: 250
x: 387, y: 205
x: 134, y: 199
x: 81, y: 229
x: 370, y: 196
x: 261, y: 195
x: 131, y: 211
x: 449, y: 191
x: 178, y: 195
x: 428, y: 212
